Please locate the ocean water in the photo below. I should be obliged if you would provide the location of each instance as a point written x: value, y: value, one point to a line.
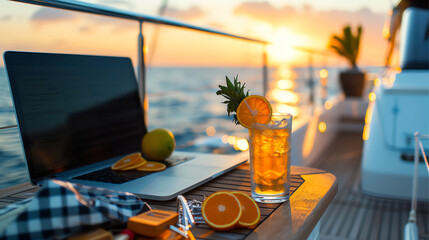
x: 182, y: 100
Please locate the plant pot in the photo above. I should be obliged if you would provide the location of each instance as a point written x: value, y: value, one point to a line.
x: 352, y: 83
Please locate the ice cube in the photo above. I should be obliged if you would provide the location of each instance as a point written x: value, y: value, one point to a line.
x: 268, y: 133
x: 283, y: 134
x: 282, y: 124
x: 260, y: 126
x: 266, y: 150
x: 280, y: 149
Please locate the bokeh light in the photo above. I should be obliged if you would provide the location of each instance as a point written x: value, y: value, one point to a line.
x: 211, y: 131
x: 323, y: 73
x: 372, y: 96
x: 322, y: 127
x: 377, y: 82
x: 225, y: 139
x: 242, y: 144
x: 328, y: 105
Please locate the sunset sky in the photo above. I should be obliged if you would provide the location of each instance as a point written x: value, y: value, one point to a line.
x: 286, y: 24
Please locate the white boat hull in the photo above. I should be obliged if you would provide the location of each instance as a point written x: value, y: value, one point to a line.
x: 398, y: 111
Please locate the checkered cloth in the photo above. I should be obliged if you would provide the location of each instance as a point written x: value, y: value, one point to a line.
x: 61, y: 209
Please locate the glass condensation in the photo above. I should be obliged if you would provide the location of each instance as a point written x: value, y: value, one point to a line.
x: 270, y: 148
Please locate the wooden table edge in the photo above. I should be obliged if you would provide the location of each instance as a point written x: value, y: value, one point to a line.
x: 22, y: 187
x: 304, y: 208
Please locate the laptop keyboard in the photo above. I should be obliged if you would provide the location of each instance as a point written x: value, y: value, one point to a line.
x: 104, y: 175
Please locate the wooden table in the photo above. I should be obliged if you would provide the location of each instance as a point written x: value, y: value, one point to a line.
x: 312, y: 190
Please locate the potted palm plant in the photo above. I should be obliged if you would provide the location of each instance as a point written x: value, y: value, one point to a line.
x: 352, y: 80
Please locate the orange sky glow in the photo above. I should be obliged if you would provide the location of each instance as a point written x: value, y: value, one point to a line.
x: 31, y: 28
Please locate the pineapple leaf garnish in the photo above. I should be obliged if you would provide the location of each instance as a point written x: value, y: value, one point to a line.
x: 234, y: 93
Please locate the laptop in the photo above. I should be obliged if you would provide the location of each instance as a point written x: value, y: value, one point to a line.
x: 79, y: 114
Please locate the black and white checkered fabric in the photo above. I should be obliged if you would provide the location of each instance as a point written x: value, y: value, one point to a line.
x: 60, y: 209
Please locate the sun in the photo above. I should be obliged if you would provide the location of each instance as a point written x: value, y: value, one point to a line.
x: 283, y: 40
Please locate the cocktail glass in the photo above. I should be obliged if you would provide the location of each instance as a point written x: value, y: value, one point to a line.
x: 270, y: 148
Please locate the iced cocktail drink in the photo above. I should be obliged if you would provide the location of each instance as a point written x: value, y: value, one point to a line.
x: 270, y: 159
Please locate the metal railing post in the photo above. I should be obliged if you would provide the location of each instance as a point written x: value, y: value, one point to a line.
x: 310, y: 78
x: 265, y: 71
x: 141, y: 74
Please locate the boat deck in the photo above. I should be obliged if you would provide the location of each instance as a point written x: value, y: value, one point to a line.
x: 352, y: 215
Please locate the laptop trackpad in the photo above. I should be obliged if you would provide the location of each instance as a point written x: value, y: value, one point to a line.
x: 190, y: 171
x: 170, y: 182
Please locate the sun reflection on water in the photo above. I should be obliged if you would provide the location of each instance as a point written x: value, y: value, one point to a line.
x: 285, y: 84
x: 282, y: 94
x: 285, y: 96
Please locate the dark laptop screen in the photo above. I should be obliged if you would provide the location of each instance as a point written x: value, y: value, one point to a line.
x: 74, y: 110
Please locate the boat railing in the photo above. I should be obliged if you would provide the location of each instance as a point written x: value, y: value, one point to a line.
x: 411, y: 229
x: 96, y: 9
x: 7, y: 127
x: 311, y: 81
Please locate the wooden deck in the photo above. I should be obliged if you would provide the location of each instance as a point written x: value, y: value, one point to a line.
x: 353, y: 215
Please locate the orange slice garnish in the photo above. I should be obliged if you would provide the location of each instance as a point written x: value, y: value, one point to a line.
x: 137, y: 164
x: 254, y: 109
x: 152, y: 167
x: 127, y: 161
x: 221, y: 211
x: 251, y: 213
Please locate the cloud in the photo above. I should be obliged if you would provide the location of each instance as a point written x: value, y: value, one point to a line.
x: 45, y: 14
x: 5, y: 18
x: 216, y: 25
x: 288, y: 15
x: 191, y: 13
x: 371, y: 22
x: 116, y: 3
x: 86, y: 23
x: 87, y: 29
x: 83, y: 23
x: 320, y: 25
x: 264, y: 11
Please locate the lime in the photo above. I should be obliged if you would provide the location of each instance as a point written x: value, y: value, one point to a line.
x: 158, y: 144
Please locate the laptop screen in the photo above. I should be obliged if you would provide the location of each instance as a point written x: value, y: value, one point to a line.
x: 74, y: 110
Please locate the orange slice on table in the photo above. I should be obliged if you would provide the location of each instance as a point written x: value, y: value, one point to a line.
x: 127, y: 161
x: 254, y: 109
x: 221, y: 211
x: 137, y: 164
x: 251, y: 214
x: 152, y: 167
